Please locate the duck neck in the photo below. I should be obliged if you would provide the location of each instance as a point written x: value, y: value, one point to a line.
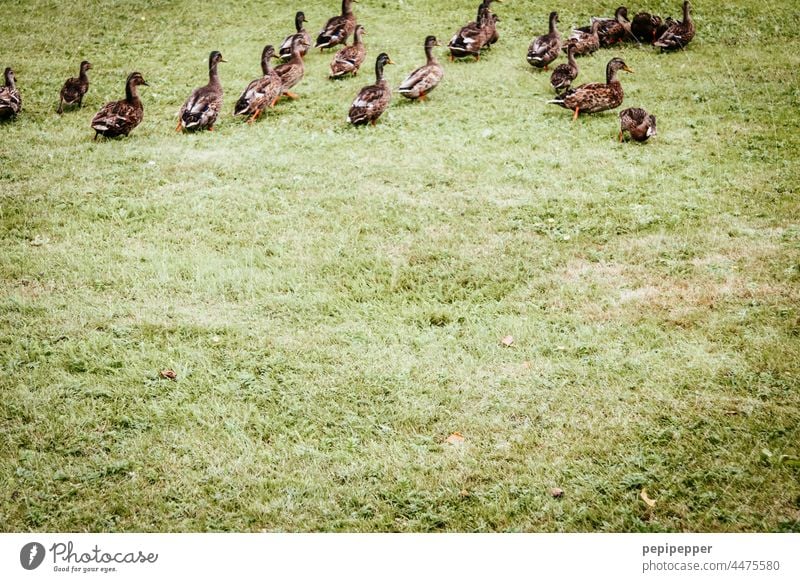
x: 357, y: 40
x: 553, y: 24
x: 595, y: 27
x: 83, y: 76
x: 10, y: 81
x: 265, y: 66
x: 132, y: 93
x: 378, y: 73
x: 298, y: 22
x: 297, y: 57
x: 571, y: 56
x: 347, y: 7
x: 213, y: 76
x: 431, y: 60
x: 619, y: 15
x: 611, y: 74
x: 686, y: 16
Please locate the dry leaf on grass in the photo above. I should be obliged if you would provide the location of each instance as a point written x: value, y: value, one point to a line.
x: 455, y: 439
x: 646, y: 498
x: 507, y: 341
x: 557, y: 492
x: 168, y: 374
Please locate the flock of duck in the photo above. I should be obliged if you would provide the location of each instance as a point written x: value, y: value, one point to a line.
x: 201, y: 109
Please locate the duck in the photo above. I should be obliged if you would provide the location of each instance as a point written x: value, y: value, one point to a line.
x: 612, y: 30
x: 348, y: 60
x: 292, y: 71
x: 121, y: 117
x: 262, y: 92
x: 585, y: 43
x: 75, y: 88
x: 596, y: 97
x: 285, y: 50
x: 476, y: 35
x: 565, y: 73
x: 10, y: 98
x: 201, y: 109
x: 372, y: 100
x: 338, y: 28
x: 427, y: 77
x: 544, y: 49
x: 645, y: 27
x: 636, y: 121
x: 679, y: 34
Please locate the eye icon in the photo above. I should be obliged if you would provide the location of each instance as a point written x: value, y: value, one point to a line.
x: 31, y: 555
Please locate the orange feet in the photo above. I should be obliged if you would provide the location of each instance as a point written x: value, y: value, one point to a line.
x: 574, y: 117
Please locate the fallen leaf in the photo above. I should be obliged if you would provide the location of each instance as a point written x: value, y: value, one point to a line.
x: 464, y: 493
x: 507, y: 341
x: 646, y: 498
x: 455, y: 439
x: 168, y: 374
x: 731, y: 412
x: 557, y: 492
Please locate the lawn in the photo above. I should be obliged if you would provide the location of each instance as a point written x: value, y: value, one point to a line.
x: 333, y: 299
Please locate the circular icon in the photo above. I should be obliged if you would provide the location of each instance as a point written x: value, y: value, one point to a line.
x: 31, y: 555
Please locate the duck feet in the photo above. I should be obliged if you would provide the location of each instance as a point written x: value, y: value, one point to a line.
x: 574, y: 117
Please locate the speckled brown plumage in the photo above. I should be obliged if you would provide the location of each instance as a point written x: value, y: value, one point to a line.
x: 121, y: 117
x: 596, y: 97
x: 348, y: 60
x: 10, y: 98
x: 372, y: 100
x: 638, y: 123
x: 679, y: 34
x: 544, y: 49
x: 75, y: 88
x: 337, y: 29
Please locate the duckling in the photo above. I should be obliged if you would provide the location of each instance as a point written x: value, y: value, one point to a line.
x: 640, y: 124
x: 595, y: 97
x: 121, y: 117
x: 565, y: 73
x: 544, y: 49
x: 260, y: 93
x: 585, y: 43
x: 476, y: 35
x: 372, y: 100
x: 10, y: 98
x: 292, y: 71
x: 338, y: 28
x: 75, y: 88
x: 285, y: 50
x: 349, y: 59
x: 202, y: 107
x: 679, y: 34
x: 424, y: 79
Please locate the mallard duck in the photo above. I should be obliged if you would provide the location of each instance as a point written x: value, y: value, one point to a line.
x: 679, y: 34
x: 612, y: 30
x: 585, y: 43
x: 372, y: 100
x: 262, y: 92
x: 645, y: 27
x: 120, y: 117
x: 491, y: 26
x: 544, y: 49
x: 565, y: 73
x: 10, y: 99
x: 424, y: 79
x: 640, y: 124
x: 338, y: 28
x: 596, y: 97
x: 292, y: 71
x: 202, y: 107
x: 348, y: 60
x: 475, y: 35
x: 75, y: 88
x: 285, y: 50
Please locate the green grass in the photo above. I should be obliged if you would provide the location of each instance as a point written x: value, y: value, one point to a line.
x: 333, y: 298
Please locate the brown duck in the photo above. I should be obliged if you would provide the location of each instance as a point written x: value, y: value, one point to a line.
x: 120, y: 117
x: 338, y: 28
x: 10, y: 98
x: 372, y: 100
x: 638, y: 123
x: 596, y: 97
x: 75, y: 88
x: 348, y: 60
x: 679, y: 34
x: 565, y: 73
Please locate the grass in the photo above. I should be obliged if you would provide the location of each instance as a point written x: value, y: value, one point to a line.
x: 332, y: 299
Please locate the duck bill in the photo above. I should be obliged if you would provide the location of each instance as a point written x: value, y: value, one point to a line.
x: 627, y: 68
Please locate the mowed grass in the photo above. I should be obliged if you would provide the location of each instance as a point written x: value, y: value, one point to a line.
x: 332, y: 299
